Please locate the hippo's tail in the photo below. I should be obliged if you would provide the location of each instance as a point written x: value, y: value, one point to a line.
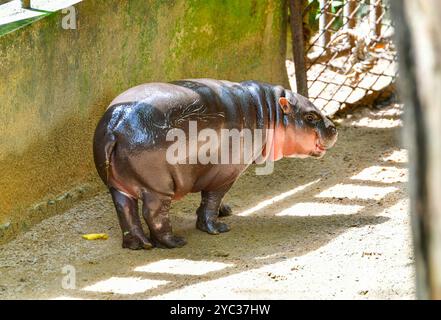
x: 103, y: 147
x: 108, y: 149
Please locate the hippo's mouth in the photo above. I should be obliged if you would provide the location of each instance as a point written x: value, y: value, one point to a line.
x: 320, y: 149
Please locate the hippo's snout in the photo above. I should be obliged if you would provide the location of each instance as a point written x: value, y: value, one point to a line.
x: 326, y: 137
x: 330, y: 136
x: 333, y: 130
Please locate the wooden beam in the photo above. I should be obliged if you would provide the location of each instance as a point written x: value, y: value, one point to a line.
x: 298, y: 46
x: 26, y: 4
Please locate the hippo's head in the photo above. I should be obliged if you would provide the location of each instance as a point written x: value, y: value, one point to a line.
x: 307, y: 131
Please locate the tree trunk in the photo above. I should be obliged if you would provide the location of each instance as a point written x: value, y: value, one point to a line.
x: 418, y: 40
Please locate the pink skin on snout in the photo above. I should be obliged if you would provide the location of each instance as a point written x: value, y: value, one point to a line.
x: 296, y: 143
x: 293, y: 142
x: 301, y: 143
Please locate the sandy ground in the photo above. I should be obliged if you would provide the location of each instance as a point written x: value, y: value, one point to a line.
x: 332, y: 228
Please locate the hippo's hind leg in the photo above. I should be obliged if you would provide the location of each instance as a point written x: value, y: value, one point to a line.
x: 209, y: 210
x: 127, y: 210
x: 225, y: 210
x: 155, y: 211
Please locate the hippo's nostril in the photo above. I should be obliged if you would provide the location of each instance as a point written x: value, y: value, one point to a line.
x: 333, y: 130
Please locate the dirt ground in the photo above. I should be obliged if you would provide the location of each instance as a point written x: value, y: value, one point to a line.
x: 332, y: 228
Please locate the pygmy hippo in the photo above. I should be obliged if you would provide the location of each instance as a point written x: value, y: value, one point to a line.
x: 135, y: 147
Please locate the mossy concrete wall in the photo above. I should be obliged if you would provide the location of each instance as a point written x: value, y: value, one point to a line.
x: 56, y: 83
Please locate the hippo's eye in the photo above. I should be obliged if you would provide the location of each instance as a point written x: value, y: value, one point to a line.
x: 311, y: 117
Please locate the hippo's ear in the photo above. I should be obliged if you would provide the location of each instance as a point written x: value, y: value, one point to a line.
x: 285, y: 105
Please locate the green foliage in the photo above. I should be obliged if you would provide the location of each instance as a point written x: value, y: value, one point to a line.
x: 314, y: 14
x: 335, y: 7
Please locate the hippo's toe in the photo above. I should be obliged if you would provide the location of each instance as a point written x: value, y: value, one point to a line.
x: 169, y: 241
x: 212, y: 227
x: 135, y: 243
x: 222, y: 227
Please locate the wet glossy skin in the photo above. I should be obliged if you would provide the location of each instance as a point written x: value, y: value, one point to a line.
x: 130, y: 148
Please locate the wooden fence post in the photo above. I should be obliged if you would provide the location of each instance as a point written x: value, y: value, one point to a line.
x: 26, y: 4
x: 349, y: 19
x: 416, y: 21
x: 298, y: 46
x: 375, y: 12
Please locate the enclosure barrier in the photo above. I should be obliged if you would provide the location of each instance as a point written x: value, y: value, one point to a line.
x: 347, y: 52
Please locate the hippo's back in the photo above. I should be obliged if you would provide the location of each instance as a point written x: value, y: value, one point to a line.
x: 182, y: 90
x: 130, y: 141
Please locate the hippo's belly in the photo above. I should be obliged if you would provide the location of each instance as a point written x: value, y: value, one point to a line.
x: 150, y: 170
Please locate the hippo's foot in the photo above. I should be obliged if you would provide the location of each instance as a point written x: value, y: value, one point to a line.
x: 211, y: 227
x: 225, y: 210
x: 136, y: 242
x: 168, y: 241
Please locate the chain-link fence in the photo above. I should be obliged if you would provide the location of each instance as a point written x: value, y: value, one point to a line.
x: 347, y: 49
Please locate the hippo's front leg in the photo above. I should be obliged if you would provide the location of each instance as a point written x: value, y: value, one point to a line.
x: 209, y: 210
x: 155, y: 211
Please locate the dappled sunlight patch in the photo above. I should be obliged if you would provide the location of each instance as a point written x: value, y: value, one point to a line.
x: 352, y: 191
x: 277, y: 198
x: 382, y: 174
x: 183, y: 267
x: 66, y: 298
x: 382, y: 119
x: 396, y: 110
x: 127, y: 285
x: 377, y: 123
x: 306, y: 209
x: 397, y: 156
x: 270, y: 256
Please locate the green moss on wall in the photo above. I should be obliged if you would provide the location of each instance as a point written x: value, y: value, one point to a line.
x: 56, y: 83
